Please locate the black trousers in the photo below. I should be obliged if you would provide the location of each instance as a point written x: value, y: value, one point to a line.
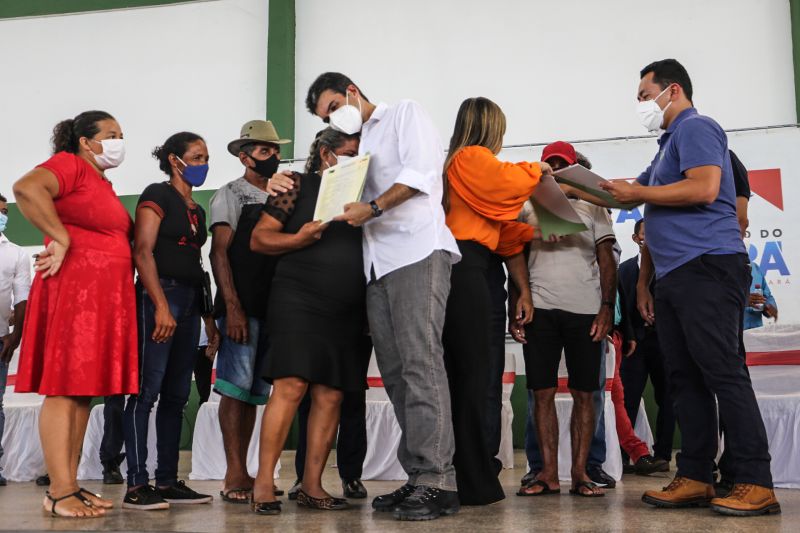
x: 202, y: 374
x: 113, y: 438
x: 647, y: 361
x: 496, y: 278
x: 466, y: 339
x: 699, y: 309
x: 351, y: 442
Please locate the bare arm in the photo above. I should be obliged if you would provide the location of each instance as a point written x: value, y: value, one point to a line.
x: 608, y: 290
x: 358, y: 213
x: 235, y: 319
x: 701, y: 186
x: 741, y: 213
x: 267, y: 237
x: 144, y: 241
x: 518, y: 272
x: 11, y: 341
x: 34, y: 193
x: 644, y: 299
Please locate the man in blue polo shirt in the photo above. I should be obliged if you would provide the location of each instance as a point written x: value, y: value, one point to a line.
x: 702, y: 272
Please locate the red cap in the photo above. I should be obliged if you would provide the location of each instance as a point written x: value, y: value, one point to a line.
x: 561, y: 149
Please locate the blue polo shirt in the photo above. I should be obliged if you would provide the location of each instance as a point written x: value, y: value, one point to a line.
x: 676, y: 235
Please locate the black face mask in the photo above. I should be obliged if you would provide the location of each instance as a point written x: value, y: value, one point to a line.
x: 268, y: 167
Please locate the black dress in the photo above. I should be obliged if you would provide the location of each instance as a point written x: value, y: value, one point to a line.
x: 316, y: 316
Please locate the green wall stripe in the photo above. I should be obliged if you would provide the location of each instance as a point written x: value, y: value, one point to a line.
x: 794, y: 10
x: 22, y: 233
x: 38, y: 8
x: 280, y: 70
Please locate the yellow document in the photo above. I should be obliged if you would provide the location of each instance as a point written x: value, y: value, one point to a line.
x: 341, y: 184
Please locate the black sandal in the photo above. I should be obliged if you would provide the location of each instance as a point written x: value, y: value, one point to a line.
x: 576, y: 490
x: 266, y: 508
x: 546, y: 490
x: 77, y: 495
x: 323, y: 504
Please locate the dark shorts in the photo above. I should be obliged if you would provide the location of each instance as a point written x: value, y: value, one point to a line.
x: 551, y: 332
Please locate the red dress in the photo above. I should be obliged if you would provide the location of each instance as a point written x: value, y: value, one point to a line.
x: 80, y: 325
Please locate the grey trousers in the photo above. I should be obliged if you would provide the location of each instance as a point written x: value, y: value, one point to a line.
x: 406, y: 316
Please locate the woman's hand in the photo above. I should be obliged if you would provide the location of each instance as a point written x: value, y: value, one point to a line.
x: 280, y: 182
x: 50, y: 261
x: 546, y: 168
x: 311, y: 232
x: 165, y: 324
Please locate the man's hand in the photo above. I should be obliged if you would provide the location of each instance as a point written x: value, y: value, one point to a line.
x: 524, y: 309
x: 236, y: 325
x: 631, y: 349
x: 645, y: 305
x: 356, y: 213
x: 756, y: 299
x: 10, y: 343
x: 622, y: 191
x: 280, y: 182
x: 311, y: 232
x: 213, y: 338
x: 770, y: 311
x: 601, y: 324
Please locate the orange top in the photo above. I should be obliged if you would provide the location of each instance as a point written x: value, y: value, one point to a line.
x: 486, y: 196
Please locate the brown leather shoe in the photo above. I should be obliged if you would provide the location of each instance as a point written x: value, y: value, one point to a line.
x: 682, y: 492
x: 747, y: 500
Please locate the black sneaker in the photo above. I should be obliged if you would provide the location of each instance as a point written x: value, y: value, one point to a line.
x: 295, y: 489
x: 145, y: 498
x: 649, y: 465
x: 180, y: 493
x: 599, y: 476
x: 354, y: 489
x: 388, y: 502
x: 43, y: 481
x: 428, y: 503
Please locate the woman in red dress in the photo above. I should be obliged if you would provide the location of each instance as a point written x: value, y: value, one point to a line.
x: 79, y: 338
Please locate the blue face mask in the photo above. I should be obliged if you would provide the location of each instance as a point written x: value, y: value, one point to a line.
x: 3, y: 222
x: 194, y: 175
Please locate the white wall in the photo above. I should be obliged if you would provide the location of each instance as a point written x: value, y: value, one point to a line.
x: 565, y: 69
x: 199, y: 67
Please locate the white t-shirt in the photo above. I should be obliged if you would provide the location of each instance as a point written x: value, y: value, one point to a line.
x: 565, y: 275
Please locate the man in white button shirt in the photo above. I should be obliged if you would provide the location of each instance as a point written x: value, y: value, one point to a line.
x: 15, y: 282
x: 408, y: 254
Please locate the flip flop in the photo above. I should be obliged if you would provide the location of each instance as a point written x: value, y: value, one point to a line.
x: 546, y: 490
x: 226, y: 495
x: 576, y: 490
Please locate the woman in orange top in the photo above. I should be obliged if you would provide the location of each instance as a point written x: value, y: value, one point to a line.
x: 482, y: 197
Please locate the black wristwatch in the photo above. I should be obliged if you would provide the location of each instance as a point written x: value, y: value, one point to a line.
x: 609, y: 303
x: 376, y: 211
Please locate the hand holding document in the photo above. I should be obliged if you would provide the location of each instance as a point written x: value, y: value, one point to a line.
x: 587, y: 181
x: 341, y: 184
x: 556, y: 216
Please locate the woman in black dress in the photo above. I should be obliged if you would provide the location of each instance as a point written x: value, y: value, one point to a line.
x: 316, y: 322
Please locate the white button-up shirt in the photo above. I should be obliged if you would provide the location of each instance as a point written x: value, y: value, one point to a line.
x: 15, y: 280
x: 405, y: 148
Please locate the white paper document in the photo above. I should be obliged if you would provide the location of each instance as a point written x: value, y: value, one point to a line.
x: 584, y: 179
x: 341, y: 184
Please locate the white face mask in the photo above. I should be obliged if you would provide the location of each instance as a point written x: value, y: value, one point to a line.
x: 113, y: 153
x: 347, y: 119
x: 650, y: 114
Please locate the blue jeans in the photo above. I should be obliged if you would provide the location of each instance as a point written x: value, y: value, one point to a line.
x: 165, y: 374
x: 3, y: 378
x: 240, y: 367
x: 597, y: 450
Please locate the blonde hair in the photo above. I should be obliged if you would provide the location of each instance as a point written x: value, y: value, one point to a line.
x: 479, y: 122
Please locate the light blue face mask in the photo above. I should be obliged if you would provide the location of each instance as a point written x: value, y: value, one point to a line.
x: 3, y: 222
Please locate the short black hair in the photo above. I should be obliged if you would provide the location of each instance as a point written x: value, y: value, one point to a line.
x: 668, y: 71
x: 335, y: 81
x: 3, y: 198
x: 638, y: 226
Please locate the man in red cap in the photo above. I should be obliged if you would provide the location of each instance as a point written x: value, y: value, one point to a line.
x: 573, y: 282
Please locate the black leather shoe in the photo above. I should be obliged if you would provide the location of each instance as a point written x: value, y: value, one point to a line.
x: 295, y: 489
x: 43, y: 481
x: 354, y: 489
x: 111, y: 474
x: 388, y: 502
x: 649, y: 465
x: 428, y: 503
x: 599, y: 476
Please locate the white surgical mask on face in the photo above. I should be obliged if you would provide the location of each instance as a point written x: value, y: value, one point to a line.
x: 650, y: 113
x: 113, y: 153
x: 347, y: 119
x: 341, y: 159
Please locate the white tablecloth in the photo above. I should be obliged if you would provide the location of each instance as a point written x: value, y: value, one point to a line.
x: 23, y: 459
